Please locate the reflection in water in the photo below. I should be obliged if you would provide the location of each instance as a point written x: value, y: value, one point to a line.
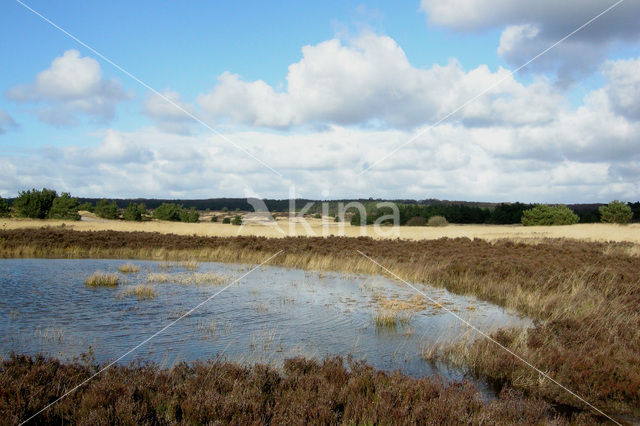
x: 272, y: 314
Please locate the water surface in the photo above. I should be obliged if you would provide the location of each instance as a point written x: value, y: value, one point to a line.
x: 272, y: 314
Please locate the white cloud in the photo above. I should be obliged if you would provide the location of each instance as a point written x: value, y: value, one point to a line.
x: 532, y: 26
x: 169, y: 116
x: 6, y: 122
x: 623, y: 88
x: 71, y: 86
x: 369, y: 81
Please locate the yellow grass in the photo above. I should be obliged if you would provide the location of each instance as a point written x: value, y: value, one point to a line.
x: 141, y: 291
x: 101, y: 279
x: 588, y: 232
x: 128, y: 268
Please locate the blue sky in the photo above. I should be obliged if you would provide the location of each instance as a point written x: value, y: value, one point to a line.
x: 320, y: 91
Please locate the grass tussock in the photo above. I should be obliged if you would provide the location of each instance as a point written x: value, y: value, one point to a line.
x: 160, y: 278
x: 102, y: 279
x: 304, y: 391
x: 128, y: 268
x: 191, y: 264
x: 195, y: 278
x: 583, y: 296
x: 141, y: 291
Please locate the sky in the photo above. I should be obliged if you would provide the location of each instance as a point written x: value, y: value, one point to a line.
x: 476, y: 100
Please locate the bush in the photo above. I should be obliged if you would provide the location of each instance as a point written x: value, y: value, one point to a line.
x: 34, y: 204
x: 416, y: 221
x: 86, y: 206
x: 437, y: 221
x: 317, y: 216
x: 214, y: 218
x: 191, y: 215
x: 167, y: 211
x: 134, y: 212
x: 107, y: 209
x: 4, y: 208
x: 65, y: 207
x: 226, y: 220
x: 615, y: 212
x: 543, y: 215
x: 237, y: 220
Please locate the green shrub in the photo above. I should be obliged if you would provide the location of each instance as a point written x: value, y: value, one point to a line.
x: 191, y: 215
x: 337, y: 219
x: 237, y: 220
x: 134, y: 212
x: 86, y: 206
x: 224, y: 209
x: 167, y: 211
x: 226, y: 220
x: 437, y: 221
x: 214, y: 218
x: 34, y: 204
x: 417, y: 221
x: 317, y: 216
x: 4, y: 208
x: 107, y: 209
x: 65, y: 207
x: 616, y: 212
x: 543, y: 215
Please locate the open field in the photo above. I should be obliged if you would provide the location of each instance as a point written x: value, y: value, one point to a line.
x: 583, y: 296
x: 587, y: 232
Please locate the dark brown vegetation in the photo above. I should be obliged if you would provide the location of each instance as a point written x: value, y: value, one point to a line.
x: 305, y: 391
x: 584, y: 296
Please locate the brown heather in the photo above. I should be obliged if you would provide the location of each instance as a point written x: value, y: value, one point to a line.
x: 583, y: 296
x: 303, y: 392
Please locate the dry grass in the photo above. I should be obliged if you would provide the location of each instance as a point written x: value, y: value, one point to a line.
x: 129, y: 268
x: 191, y: 264
x: 102, y: 279
x: 141, y: 291
x: 588, y: 232
x: 195, y: 278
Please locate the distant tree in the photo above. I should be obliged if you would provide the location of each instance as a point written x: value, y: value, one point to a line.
x: 167, y: 211
x: 226, y: 220
x: 508, y: 213
x: 437, y: 221
x: 4, y: 208
x: 34, y: 204
x: 616, y: 212
x: 133, y: 212
x: 416, y: 221
x: 214, y: 218
x: 225, y: 209
x: 237, y: 220
x: 542, y: 215
x: 191, y: 215
x: 107, y: 209
x: 86, y: 206
x: 635, y: 208
x: 65, y: 207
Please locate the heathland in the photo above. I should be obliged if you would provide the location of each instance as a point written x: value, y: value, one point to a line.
x: 582, y: 295
x: 325, y: 227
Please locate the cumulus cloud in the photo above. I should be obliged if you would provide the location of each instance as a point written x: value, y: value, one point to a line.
x: 586, y: 154
x: 623, y: 88
x: 6, y: 122
x: 370, y: 81
x: 169, y: 115
x: 71, y: 86
x: 530, y: 27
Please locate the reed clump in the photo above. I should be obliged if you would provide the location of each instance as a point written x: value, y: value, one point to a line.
x: 102, y: 279
x: 128, y: 268
x: 141, y: 291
